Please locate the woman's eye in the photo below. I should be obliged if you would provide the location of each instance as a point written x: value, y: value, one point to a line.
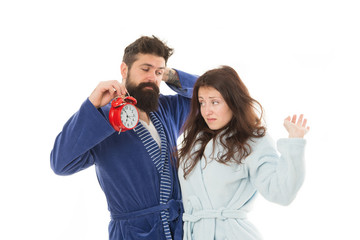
x: 215, y: 102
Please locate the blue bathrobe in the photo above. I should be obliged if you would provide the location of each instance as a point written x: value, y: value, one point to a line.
x: 138, y: 178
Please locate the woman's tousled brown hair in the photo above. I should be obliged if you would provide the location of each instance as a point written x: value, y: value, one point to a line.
x: 245, y: 124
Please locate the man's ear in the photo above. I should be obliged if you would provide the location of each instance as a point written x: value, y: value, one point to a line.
x: 124, y: 70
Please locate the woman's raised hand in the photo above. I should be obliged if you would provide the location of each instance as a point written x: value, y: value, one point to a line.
x: 296, y: 127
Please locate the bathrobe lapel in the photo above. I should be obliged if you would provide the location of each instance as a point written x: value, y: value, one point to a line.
x: 160, y: 159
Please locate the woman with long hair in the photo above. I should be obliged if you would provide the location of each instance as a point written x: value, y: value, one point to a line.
x: 226, y: 157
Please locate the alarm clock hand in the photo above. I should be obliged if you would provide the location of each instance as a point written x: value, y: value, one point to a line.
x: 127, y: 115
x: 106, y: 91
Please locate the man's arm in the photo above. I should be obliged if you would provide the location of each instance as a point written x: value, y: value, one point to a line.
x: 179, y: 81
x: 171, y: 77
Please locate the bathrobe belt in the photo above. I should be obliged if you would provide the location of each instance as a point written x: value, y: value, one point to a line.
x: 207, y: 225
x: 195, y: 212
x: 204, y: 219
x: 174, y: 206
x: 220, y: 214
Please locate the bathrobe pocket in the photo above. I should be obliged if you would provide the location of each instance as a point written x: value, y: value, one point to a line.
x: 149, y: 227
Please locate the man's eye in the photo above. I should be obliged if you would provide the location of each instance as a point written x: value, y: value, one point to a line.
x: 159, y: 73
x: 145, y: 69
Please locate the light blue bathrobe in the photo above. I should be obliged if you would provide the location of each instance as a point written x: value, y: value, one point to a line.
x: 217, y: 197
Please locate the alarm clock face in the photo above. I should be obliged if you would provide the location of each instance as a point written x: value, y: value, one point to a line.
x: 129, y: 116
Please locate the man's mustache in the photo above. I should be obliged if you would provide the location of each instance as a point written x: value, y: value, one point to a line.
x: 149, y: 84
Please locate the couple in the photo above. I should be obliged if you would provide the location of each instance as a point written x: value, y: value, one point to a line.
x: 225, y: 158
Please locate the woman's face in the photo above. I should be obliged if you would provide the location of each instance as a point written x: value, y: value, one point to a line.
x: 213, y: 108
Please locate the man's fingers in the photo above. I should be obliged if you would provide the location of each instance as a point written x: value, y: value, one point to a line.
x: 117, y: 88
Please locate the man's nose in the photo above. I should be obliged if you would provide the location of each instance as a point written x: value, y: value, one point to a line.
x: 151, y: 77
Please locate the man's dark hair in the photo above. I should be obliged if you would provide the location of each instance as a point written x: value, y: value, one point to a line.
x: 146, y: 45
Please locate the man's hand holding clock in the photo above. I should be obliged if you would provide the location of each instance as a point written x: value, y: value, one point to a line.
x: 123, y: 114
x: 106, y: 91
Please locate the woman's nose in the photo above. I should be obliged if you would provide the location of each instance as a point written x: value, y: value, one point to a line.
x: 208, y: 110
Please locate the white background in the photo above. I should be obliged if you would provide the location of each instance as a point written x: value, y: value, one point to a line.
x: 294, y: 56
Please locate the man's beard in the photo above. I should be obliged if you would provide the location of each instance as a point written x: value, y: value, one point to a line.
x: 147, y: 100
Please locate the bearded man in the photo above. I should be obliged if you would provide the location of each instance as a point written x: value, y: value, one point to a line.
x: 136, y: 169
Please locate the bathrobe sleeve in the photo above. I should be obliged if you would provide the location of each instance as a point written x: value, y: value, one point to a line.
x: 84, y: 130
x: 187, y: 82
x: 277, y: 177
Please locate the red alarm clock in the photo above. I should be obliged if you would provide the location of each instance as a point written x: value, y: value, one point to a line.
x: 123, y: 114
